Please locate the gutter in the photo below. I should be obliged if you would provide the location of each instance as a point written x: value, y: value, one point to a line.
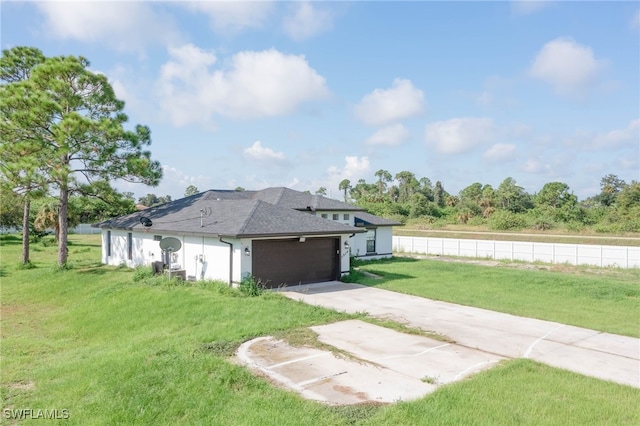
x: 230, y: 259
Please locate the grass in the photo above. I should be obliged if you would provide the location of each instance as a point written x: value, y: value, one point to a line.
x: 112, y: 350
x: 605, y: 300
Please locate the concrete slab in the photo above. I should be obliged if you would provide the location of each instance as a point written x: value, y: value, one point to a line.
x: 414, y: 356
x: 385, y: 366
x: 593, y: 353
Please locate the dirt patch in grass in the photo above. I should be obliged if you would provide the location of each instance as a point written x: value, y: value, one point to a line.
x: 22, y: 386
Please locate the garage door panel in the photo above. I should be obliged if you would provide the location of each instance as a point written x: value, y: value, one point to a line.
x: 292, y: 262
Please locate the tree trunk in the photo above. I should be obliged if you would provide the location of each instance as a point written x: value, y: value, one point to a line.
x: 25, y: 231
x: 63, y: 230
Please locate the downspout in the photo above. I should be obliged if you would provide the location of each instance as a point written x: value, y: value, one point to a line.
x: 230, y: 259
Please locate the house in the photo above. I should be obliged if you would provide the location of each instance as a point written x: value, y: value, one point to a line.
x: 278, y: 235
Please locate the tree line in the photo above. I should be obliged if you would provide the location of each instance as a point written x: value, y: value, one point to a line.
x: 407, y: 198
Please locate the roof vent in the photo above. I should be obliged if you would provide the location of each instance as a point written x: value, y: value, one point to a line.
x: 145, y: 221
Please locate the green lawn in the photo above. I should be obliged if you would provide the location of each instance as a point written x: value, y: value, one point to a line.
x: 605, y: 300
x: 112, y: 350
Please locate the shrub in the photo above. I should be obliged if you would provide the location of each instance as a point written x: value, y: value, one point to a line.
x: 48, y: 242
x: 28, y: 265
x: 477, y: 221
x: 352, y: 277
x: 142, y: 273
x: 250, y: 287
x: 542, y: 223
x: 503, y: 220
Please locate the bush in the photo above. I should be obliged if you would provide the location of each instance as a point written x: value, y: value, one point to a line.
x: 352, y: 277
x: 250, y: 287
x: 503, y: 220
x: 48, y: 241
x: 142, y: 273
x: 542, y: 223
x: 477, y: 221
x: 28, y: 265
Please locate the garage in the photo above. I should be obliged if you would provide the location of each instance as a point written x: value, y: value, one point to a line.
x: 296, y: 261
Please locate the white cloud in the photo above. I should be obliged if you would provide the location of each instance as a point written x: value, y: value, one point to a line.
x: 382, y: 106
x: 627, y: 136
x: 126, y: 26
x: 354, y: 168
x: 255, y: 84
x: 610, y: 140
x: 231, y: 17
x: 264, y: 154
x: 390, y: 136
x: 500, y: 152
x: 569, y: 67
x: 527, y: 7
x: 307, y: 20
x: 459, y: 134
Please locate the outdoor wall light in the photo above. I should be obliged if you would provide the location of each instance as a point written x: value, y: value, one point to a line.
x: 247, y: 252
x: 346, y: 245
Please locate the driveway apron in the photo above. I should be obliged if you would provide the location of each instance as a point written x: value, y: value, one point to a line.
x: 589, y: 352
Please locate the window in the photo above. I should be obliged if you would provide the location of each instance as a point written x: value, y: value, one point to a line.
x: 371, y: 240
x: 157, y: 238
x: 345, y: 216
x: 336, y: 216
x: 129, y: 246
x: 108, y: 243
x: 324, y: 216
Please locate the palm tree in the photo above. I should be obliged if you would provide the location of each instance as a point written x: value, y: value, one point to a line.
x: 345, y: 185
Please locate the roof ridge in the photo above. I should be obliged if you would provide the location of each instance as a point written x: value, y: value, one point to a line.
x: 247, y: 219
x: 314, y: 201
x: 280, y: 195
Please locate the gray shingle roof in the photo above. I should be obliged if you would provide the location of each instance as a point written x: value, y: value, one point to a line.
x: 228, y: 213
x: 370, y: 219
x: 292, y: 199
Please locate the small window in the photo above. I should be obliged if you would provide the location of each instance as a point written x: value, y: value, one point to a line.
x: 157, y: 238
x: 371, y: 240
x: 345, y: 216
x: 108, y: 243
x: 325, y: 216
x: 129, y: 246
x: 336, y: 216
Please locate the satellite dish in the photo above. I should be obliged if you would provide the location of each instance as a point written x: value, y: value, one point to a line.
x: 170, y: 244
x: 145, y: 221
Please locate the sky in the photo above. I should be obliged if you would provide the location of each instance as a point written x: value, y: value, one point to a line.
x: 306, y: 94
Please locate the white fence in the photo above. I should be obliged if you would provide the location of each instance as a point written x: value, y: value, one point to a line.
x: 574, y: 254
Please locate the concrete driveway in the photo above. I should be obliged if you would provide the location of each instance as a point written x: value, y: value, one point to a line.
x: 383, y: 365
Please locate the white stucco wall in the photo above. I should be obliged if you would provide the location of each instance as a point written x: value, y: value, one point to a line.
x: 200, y: 257
x: 384, y: 243
x: 341, y: 219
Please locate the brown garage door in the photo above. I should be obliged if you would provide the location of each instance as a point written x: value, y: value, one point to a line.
x: 291, y: 262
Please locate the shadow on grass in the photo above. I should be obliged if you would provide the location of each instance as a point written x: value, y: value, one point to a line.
x: 98, y: 268
x: 74, y: 244
x: 385, y: 261
x: 10, y: 239
x: 384, y: 278
x: 381, y: 277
